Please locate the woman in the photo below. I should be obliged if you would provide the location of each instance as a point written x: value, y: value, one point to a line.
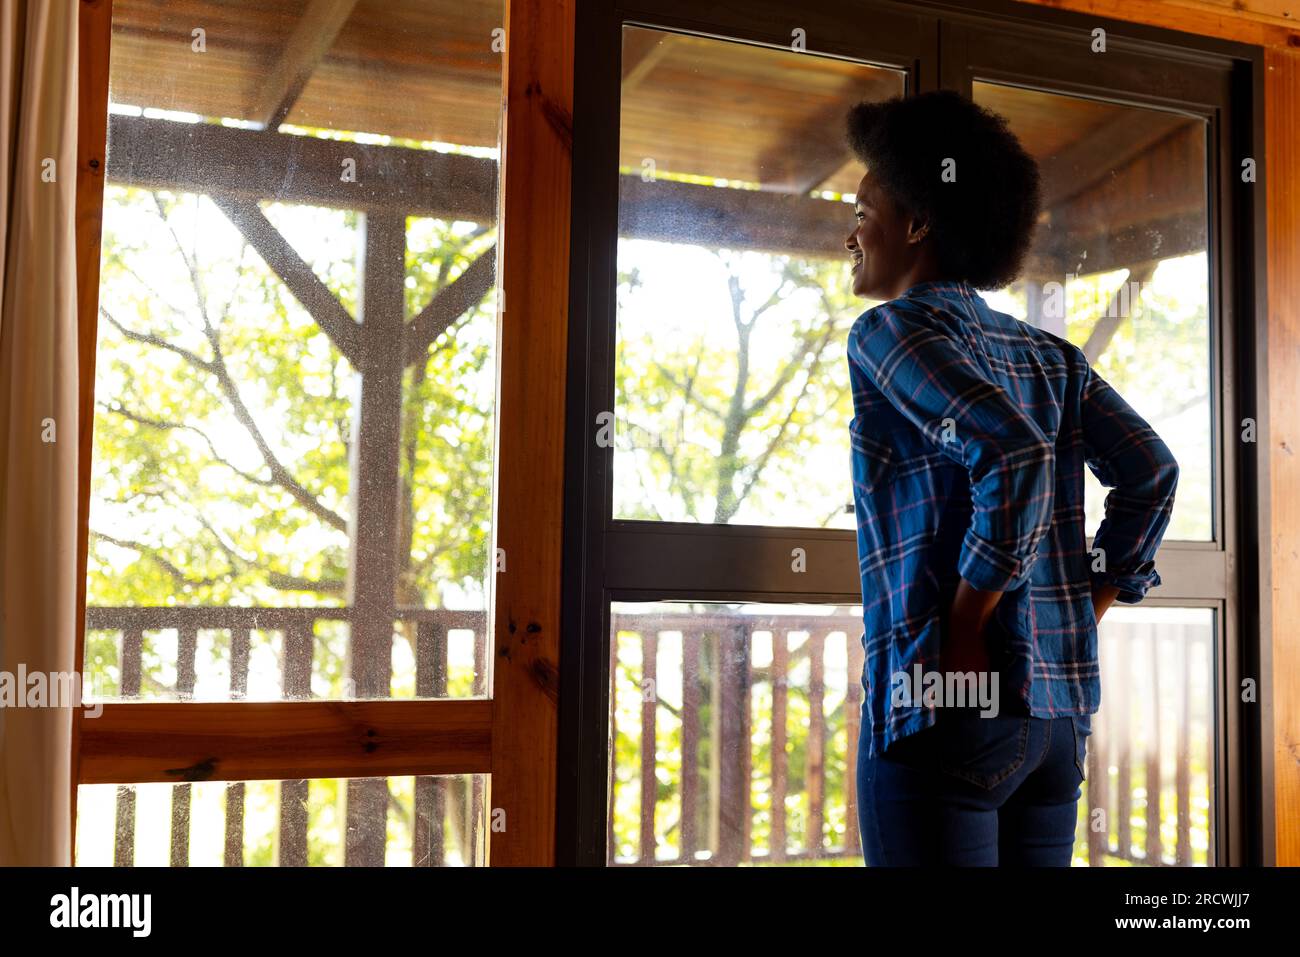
x: 971, y: 431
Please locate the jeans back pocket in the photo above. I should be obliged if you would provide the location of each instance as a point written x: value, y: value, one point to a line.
x: 983, y: 751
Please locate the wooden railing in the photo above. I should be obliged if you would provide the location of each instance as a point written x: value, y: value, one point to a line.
x: 433, y: 796
x: 1126, y: 751
x: 699, y: 796
x: 714, y: 787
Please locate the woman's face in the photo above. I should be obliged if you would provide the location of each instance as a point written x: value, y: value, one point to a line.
x: 882, y: 259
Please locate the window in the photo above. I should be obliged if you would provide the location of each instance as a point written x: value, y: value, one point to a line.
x: 717, y: 501
x: 733, y: 310
x: 295, y: 397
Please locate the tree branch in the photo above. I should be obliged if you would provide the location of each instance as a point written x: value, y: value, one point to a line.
x: 152, y: 340
x: 279, y: 474
x: 154, y: 554
x: 163, y: 424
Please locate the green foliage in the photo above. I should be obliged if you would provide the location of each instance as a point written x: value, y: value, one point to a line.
x: 224, y: 415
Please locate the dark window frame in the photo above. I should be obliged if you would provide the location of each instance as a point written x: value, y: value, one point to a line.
x: 609, y: 559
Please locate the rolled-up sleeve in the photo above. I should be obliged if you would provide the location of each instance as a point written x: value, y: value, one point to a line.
x: 910, y: 355
x: 1130, y: 459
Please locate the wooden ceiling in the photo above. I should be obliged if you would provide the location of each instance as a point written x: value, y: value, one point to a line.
x: 416, y: 69
x: 426, y: 70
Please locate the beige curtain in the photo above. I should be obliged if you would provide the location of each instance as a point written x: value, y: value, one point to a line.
x: 38, y: 415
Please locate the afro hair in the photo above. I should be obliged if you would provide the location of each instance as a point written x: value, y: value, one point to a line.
x: 982, y: 221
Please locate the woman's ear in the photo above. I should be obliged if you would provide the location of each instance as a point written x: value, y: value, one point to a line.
x: 916, y: 232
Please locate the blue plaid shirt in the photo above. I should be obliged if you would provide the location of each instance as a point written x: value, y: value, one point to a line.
x: 970, y: 434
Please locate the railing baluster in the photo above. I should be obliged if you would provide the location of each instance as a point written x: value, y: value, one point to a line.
x: 853, y: 722
x: 1124, y: 748
x: 186, y: 646
x: 1098, y: 779
x: 1154, y: 846
x: 295, y: 685
x: 1187, y: 647
x: 428, y: 847
x: 734, y: 804
x: 816, y: 774
x: 780, y: 772
x: 234, y: 845
x: 124, y: 827
x: 690, y: 744
x: 478, y: 783
x: 129, y: 688
x: 649, y: 706
x: 132, y: 648
x: 240, y: 640
x: 745, y: 665
x: 239, y: 645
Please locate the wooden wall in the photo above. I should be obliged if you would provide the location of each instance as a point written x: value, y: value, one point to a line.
x: 1263, y: 22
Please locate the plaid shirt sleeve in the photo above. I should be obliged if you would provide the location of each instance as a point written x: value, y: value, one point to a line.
x: 910, y: 356
x: 1127, y: 456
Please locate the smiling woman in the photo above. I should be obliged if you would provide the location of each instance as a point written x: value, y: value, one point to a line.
x: 974, y: 558
x: 962, y: 178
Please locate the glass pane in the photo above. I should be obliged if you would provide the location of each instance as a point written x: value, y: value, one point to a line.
x: 734, y: 303
x: 1147, y: 795
x: 1119, y: 266
x: 394, y: 822
x: 293, y: 450
x: 734, y: 733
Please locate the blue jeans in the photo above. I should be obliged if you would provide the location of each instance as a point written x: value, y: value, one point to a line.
x: 975, y: 791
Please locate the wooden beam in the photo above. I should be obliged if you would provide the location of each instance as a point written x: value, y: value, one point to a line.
x: 1191, y: 16
x: 1073, y: 252
x: 1082, y: 165
x: 1112, y: 314
x: 253, y: 164
x: 94, y: 25
x: 643, y: 48
x: 449, y: 304
x: 1271, y: 12
x: 150, y: 153
x: 284, y: 740
x: 283, y: 260
x: 742, y: 219
x: 787, y: 170
x: 529, y: 490
x: 311, y: 39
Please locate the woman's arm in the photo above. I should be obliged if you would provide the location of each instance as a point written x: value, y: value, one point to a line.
x: 1103, y: 596
x: 965, y: 642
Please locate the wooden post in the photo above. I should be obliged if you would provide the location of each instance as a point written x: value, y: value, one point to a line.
x: 537, y: 163
x: 372, y: 567
x: 295, y: 684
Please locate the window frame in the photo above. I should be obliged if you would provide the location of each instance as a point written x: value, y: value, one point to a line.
x: 609, y: 559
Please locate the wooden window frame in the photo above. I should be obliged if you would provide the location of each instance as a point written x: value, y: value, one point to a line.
x: 512, y: 734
